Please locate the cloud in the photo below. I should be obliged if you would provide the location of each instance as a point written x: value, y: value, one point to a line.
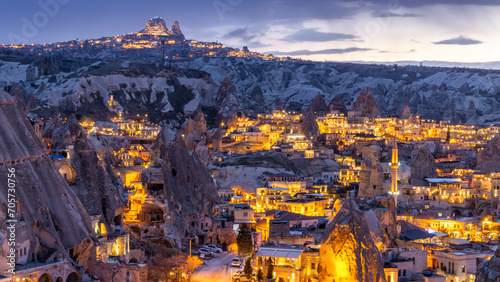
x: 461, y: 40
x: 387, y: 14
x: 419, y: 3
x: 240, y: 33
x: 312, y: 35
x: 319, y: 52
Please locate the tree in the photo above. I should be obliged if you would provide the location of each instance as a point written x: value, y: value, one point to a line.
x: 226, y: 237
x: 248, y: 269
x: 260, y: 275
x: 244, y: 240
x: 192, y: 263
x: 270, y: 269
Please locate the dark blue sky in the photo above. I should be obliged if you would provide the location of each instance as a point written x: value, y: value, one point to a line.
x: 366, y: 30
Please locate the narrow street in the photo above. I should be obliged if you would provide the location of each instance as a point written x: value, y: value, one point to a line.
x: 214, y: 269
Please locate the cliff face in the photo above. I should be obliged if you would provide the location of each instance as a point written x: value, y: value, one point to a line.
x: 348, y: 252
x: 188, y: 190
x: 49, y: 213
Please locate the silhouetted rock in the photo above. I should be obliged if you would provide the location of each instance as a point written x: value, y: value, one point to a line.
x: 489, y: 158
x: 278, y: 105
x: 310, y: 127
x: 257, y: 95
x: 337, y: 104
x: 318, y: 105
x: 423, y: 166
x: 365, y: 104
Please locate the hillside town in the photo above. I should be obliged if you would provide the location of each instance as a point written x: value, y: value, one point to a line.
x: 415, y: 197
x: 149, y: 157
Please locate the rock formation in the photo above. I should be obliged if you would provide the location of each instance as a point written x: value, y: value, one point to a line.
x: 157, y: 27
x: 188, y: 190
x: 366, y: 104
x: 89, y: 179
x: 278, y: 105
x: 50, y: 216
x: 257, y: 95
x: 337, y: 104
x: 489, y: 159
x: 422, y: 166
x: 348, y: 252
x: 226, y: 99
x: 18, y: 97
x: 406, y: 113
x: 318, y: 105
x: 490, y: 269
x: 310, y: 127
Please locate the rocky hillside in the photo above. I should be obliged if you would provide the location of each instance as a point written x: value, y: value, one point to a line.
x: 459, y: 95
x: 50, y: 216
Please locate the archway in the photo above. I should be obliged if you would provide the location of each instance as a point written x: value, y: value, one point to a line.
x: 46, y: 278
x: 68, y: 173
x: 59, y: 279
x: 74, y: 277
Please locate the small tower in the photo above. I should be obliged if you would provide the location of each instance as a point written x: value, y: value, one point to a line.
x: 394, y: 170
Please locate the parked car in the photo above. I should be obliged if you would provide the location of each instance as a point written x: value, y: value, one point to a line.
x: 240, y: 277
x: 236, y: 262
x: 213, y: 248
x: 206, y: 252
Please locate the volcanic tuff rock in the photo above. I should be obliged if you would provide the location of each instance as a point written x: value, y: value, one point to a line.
x: 423, y: 166
x: 337, y: 104
x: 310, y: 127
x: 49, y: 213
x: 226, y: 88
x: 189, y: 190
x: 490, y: 269
x: 348, y: 252
x: 278, y: 105
x: 489, y: 159
x: 257, y: 95
x: 366, y: 104
x: 92, y: 183
x: 157, y: 27
x: 318, y: 105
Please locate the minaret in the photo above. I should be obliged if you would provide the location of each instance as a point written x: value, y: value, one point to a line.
x: 394, y: 167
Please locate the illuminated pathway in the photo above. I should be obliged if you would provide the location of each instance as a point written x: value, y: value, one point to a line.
x: 214, y: 271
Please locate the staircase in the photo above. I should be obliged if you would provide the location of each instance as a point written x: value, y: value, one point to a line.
x: 47, y: 256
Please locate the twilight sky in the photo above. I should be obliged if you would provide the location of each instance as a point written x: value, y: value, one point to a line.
x: 340, y: 30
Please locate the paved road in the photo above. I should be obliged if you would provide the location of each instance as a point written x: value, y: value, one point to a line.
x: 214, y: 271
